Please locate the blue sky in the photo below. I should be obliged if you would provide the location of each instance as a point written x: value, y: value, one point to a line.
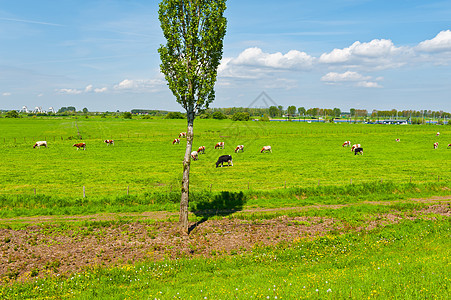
x: 102, y: 54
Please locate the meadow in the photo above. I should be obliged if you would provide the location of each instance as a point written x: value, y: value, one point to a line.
x: 143, y: 159
x: 309, y: 220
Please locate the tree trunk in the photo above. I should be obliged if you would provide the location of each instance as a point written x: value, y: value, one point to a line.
x: 184, y: 201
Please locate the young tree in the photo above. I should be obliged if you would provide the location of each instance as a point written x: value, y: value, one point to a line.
x: 273, y: 111
x: 291, y: 110
x: 194, y: 31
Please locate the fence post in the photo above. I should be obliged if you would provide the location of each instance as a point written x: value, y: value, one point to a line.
x: 410, y: 179
x: 351, y: 180
x: 285, y: 184
x: 128, y: 187
x: 248, y: 185
x: 84, y: 194
x: 34, y: 191
x: 381, y: 180
x: 210, y: 186
x: 318, y: 182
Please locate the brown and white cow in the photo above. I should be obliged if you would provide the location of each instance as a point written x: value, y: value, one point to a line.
x: 201, y: 150
x: 398, y: 140
x: 194, y: 155
x: 266, y: 149
x: 80, y: 145
x: 238, y: 148
x: 449, y: 146
x: 40, y: 143
x: 437, y: 134
x: 346, y: 144
x: 176, y: 141
x: 109, y: 142
x: 354, y: 147
x: 436, y: 145
x: 219, y: 145
x: 182, y: 135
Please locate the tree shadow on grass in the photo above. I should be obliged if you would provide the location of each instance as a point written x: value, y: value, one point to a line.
x: 224, y: 204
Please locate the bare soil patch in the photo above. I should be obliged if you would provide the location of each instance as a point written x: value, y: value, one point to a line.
x: 46, y: 249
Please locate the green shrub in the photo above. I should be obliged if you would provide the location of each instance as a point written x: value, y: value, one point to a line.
x: 174, y: 115
x: 241, y: 116
x: 219, y: 115
x: 127, y: 115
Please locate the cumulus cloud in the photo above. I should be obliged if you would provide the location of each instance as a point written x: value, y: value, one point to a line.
x: 354, y: 78
x: 88, y: 88
x: 376, y: 54
x: 139, y: 84
x: 256, y: 57
x: 6, y: 94
x: 440, y: 43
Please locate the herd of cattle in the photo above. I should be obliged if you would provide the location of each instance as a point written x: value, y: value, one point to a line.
x: 356, y: 148
x: 220, y: 145
x: 77, y: 145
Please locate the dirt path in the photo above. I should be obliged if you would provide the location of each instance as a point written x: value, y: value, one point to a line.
x: 44, y: 249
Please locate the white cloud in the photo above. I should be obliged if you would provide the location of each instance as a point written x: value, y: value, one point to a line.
x: 139, y: 84
x: 346, y: 76
x: 377, y: 54
x: 440, y: 43
x: 6, y: 94
x: 69, y: 91
x: 354, y: 78
x: 100, y: 90
x: 255, y: 57
x: 88, y: 88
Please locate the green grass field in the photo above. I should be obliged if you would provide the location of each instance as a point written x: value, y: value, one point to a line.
x: 308, y: 175
x: 143, y: 158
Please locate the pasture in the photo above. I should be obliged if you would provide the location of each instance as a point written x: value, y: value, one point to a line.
x: 143, y: 158
x: 309, y: 220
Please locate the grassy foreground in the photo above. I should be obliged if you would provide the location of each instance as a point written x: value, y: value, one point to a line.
x: 409, y: 260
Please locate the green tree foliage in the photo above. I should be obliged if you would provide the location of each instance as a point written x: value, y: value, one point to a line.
x: 219, y: 115
x: 67, y: 109
x: 127, y: 115
x: 301, y: 111
x: 273, y: 111
x: 12, y: 114
x: 194, y: 31
x: 291, y: 110
x: 174, y: 115
x: 241, y: 116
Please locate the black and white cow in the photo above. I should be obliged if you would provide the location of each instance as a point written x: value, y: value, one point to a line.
x: 358, y: 151
x: 224, y: 159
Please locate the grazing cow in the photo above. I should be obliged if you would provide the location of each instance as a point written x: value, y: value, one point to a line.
x: 437, y: 134
x: 109, y: 142
x: 398, y: 140
x: 40, y: 143
x: 176, y: 141
x: 346, y: 144
x: 266, y: 149
x: 354, y: 147
x: 224, y: 159
x: 80, y: 145
x: 219, y: 145
x: 182, y: 135
x: 201, y: 150
x: 238, y: 148
x: 358, y: 151
x: 194, y: 155
x: 449, y: 145
x: 436, y: 145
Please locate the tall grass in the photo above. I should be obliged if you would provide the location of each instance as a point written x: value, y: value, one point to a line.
x: 224, y: 201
